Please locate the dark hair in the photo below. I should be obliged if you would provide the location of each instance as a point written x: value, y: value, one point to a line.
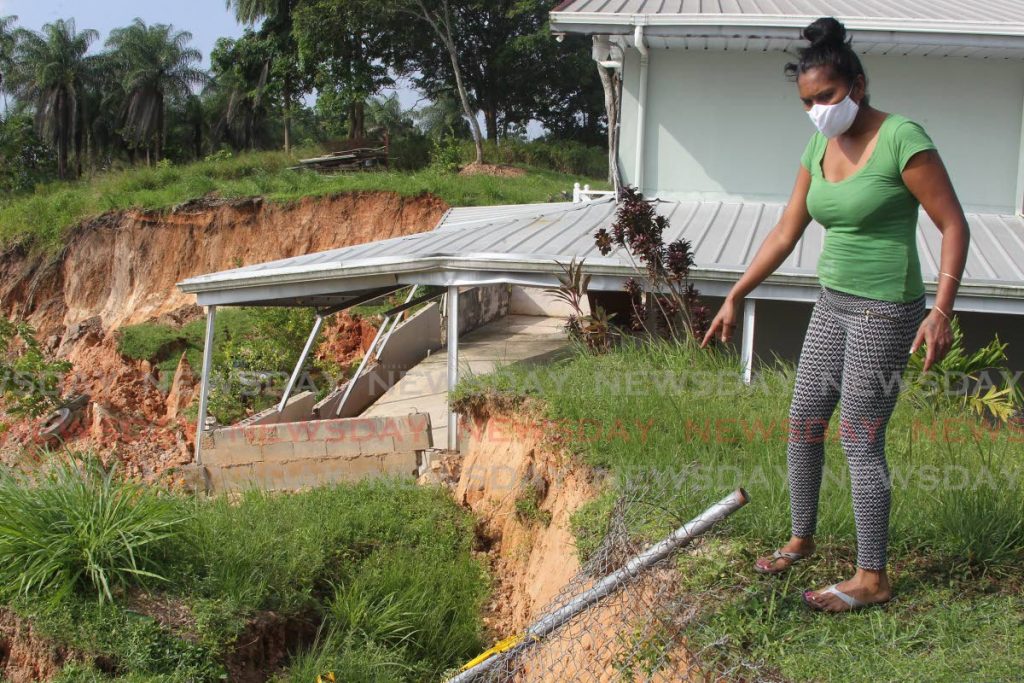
x: 829, y: 47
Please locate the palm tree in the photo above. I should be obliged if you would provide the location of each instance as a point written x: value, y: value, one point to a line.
x: 50, y: 72
x: 238, y: 97
x: 155, y: 64
x: 6, y: 48
x: 277, y: 17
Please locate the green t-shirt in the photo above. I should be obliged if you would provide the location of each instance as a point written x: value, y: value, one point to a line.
x: 870, y: 218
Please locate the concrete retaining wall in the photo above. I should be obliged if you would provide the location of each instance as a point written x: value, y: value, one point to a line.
x: 301, y: 454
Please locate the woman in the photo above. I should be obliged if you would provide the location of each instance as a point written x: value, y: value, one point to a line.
x: 863, y: 175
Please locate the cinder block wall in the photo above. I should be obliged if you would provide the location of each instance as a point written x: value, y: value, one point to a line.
x: 302, y: 454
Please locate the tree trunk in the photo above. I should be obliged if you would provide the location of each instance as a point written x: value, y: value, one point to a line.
x: 610, y: 83
x: 474, y: 124
x: 357, y: 120
x: 287, y: 95
x: 159, y: 125
x: 63, y: 133
x: 197, y: 139
x: 491, y: 121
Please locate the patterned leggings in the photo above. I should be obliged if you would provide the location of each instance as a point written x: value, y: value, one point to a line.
x: 855, y: 352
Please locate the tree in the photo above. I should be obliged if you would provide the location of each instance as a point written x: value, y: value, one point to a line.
x: 24, y: 159
x: 349, y: 48
x: 278, y: 20
x: 51, y: 70
x: 6, y: 48
x: 516, y: 72
x: 241, y: 90
x: 440, y: 17
x: 443, y: 116
x: 156, y: 64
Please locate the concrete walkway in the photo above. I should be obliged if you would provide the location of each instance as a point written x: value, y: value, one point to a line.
x: 424, y: 389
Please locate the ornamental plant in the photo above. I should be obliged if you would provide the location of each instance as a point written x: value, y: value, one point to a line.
x: 593, y: 330
x: 665, y: 301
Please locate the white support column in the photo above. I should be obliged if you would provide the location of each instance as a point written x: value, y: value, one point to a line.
x: 453, y: 363
x: 747, y: 347
x: 204, y: 391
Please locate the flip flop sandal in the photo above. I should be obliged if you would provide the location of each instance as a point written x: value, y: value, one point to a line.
x: 792, y: 557
x: 851, y: 602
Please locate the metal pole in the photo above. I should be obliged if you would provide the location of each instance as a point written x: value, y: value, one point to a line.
x: 747, y: 347
x: 204, y: 391
x: 453, y: 364
x: 362, y: 364
x: 648, y: 558
x: 302, y: 361
x: 398, y: 320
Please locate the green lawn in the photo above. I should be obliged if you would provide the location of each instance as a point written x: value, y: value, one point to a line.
x: 380, y: 576
x: 957, y: 533
x: 43, y: 217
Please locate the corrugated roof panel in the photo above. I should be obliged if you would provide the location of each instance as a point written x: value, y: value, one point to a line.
x: 475, y: 215
x: 878, y: 26
x: 724, y: 235
x: 996, y: 11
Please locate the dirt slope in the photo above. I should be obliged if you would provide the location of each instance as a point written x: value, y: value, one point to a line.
x: 510, y: 458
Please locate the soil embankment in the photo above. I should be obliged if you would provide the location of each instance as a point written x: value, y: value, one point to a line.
x: 524, y: 489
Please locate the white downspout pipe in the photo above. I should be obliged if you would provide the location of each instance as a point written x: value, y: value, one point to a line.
x: 641, y: 109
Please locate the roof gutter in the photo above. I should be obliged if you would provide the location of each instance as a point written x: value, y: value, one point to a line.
x: 641, y: 110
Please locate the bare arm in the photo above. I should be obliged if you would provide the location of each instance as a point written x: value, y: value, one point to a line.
x: 776, y: 248
x: 926, y: 177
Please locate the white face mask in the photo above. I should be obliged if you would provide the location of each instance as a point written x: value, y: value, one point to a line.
x: 834, y: 119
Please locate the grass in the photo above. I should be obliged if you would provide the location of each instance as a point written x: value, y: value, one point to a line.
x: 383, y: 567
x: 683, y: 419
x: 77, y: 527
x: 42, y: 218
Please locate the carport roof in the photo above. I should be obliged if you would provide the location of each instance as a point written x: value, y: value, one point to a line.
x: 524, y: 245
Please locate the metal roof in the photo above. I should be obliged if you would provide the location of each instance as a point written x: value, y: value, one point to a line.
x: 465, y: 216
x: 512, y: 244
x: 964, y: 28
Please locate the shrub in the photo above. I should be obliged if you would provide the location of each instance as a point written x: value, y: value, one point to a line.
x: 446, y: 155
x: 148, y: 341
x: 28, y: 379
x: 77, y: 527
x: 562, y: 156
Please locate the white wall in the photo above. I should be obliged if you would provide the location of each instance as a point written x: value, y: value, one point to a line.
x: 729, y: 125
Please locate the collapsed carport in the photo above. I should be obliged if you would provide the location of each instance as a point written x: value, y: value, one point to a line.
x: 528, y: 246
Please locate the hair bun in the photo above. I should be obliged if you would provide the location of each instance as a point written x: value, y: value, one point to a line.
x: 825, y: 32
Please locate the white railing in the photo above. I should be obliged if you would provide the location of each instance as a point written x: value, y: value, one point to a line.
x: 585, y: 194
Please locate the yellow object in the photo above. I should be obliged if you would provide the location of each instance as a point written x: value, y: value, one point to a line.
x: 326, y: 678
x: 499, y: 647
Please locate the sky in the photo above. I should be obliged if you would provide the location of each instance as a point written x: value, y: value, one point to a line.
x: 206, y: 20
